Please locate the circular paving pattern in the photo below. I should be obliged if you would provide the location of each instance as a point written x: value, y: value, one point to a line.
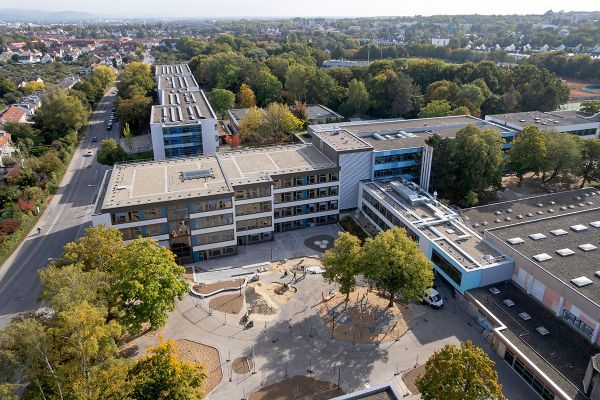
x: 320, y: 243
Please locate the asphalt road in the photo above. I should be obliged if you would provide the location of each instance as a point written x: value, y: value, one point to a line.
x: 67, y: 215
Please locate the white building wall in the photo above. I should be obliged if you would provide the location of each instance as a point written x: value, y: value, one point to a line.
x: 354, y: 167
x: 158, y: 145
x: 210, y: 138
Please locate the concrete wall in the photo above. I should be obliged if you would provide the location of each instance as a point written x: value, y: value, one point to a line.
x: 158, y: 145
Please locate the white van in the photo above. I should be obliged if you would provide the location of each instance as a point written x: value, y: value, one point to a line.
x: 433, y: 298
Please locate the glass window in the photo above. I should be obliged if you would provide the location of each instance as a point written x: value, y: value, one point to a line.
x: 451, y: 271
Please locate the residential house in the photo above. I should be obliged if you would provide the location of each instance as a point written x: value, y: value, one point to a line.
x: 13, y: 114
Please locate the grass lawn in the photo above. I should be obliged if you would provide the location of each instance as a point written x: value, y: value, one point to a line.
x: 350, y: 225
x: 142, y: 155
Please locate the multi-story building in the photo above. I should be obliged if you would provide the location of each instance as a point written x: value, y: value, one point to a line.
x: 204, y: 207
x: 389, y: 149
x: 183, y: 124
x: 569, y: 121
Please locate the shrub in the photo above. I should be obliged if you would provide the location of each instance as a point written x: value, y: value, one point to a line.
x: 9, y: 226
x: 25, y: 205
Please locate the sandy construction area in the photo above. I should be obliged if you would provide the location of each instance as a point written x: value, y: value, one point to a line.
x: 296, y: 388
x: 204, y: 355
x: 227, y: 303
x: 365, y: 318
x: 204, y: 288
x: 294, y: 264
x: 411, y: 377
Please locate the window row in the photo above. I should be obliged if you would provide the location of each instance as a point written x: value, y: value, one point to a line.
x: 216, y: 253
x: 214, y: 237
x: 307, y: 180
x: 584, y: 132
x: 306, y: 223
x: 133, y: 216
x: 210, y: 205
x: 256, y: 223
x: 180, y: 130
x: 144, y: 231
x: 253, y: 193
x: 212, y: 221
x: 578, y: 323
x: 306, y: 194
x: 449, y: 269
x: 528, y: 376
x: 397, y: 158
x: 305, y: 209
x: 187, y: 151
x: 413, y: 170
x: 187, y: 139
x: 253, y: 208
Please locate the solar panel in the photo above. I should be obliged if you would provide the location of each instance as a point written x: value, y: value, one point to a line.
x: 198, y: 174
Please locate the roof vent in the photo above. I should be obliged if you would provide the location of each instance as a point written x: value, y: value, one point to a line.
x: 551, y: 210
x: 498, y: 212
x: 571, y: 206
x: 559, y: 232
x: 581, y: 281
x: 595, y: 224
x: 540, y: 205
x: 542, y: 257
x: 563, y: 208
x: 552, y: 203
x: 494, y: 290
x: 565, y: 252
x: 529, y: 214
x: 579, y: 228
x: 540, y: 212
x: 519, y: 216
x: 587, y: 247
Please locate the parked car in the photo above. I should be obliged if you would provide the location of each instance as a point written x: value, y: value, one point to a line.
x: 88, y: 153
x: 109, y: 127
x: 95, y: 139
x: 433, y: 299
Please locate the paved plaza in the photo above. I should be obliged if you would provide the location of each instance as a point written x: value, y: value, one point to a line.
x: 297, y: 342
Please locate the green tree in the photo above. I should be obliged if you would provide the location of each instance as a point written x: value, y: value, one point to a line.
x: 96, y: 250
x: 297, y: 81
x: 322, y: 89
x: 358, y: 97
x: 455, y: 373
x: 563, y: 155
x: 442, y: 90
x: 343, y: 262
x: 470, y: 96
x: 60, y: 114
x: 279, y: 122
x: 436, y: 108
x: 105, y: 75
x: 24, y: 135
x: 50, y: 163
x: 145, y: 283
x: 267, y: 88
x: 396, y: 264
x: 246, y: 97
x: 221, y: 100
x: 589, y: 168
x: 135, y: 75
x: 135, y: 112
x: 528, y: 152
x: 590, y: 107
x: 110, y: 152
x: 127, y: 137
x: 161, y: 374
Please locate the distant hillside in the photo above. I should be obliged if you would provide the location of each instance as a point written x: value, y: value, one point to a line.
x: 22, y: 15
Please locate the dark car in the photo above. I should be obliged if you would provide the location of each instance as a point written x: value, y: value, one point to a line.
x: 109, y: 127
x: 94, y: 139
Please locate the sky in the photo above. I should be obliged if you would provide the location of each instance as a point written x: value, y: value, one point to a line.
x: 301, y: 8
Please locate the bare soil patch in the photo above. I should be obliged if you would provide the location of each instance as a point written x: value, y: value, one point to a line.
x: 411, y: 377
x: 259, y: 302
x: 294, y: 264
x: 242, y: 365
x: 189, y: 274
x: 576, y: 85
x: 275, y: 291
x: 206, y: 356
x: 296, y: 388
x: 365, y: 318
x: 207, y: 288
x: 228, y: 303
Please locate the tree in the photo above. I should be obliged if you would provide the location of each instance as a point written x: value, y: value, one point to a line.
x: 396, y: 264
x: 135, y: 111
x: 250, y: 124
x: 358, y: 97
x: 135, y: 75
x: 233, y: 141
x: 589, y: 169
x: 246, y: 97
x: 95, y: 250
x: 267, y: 88
x: 322, y: 89
x: 50, y: 163
x: 455, y: 373
x: 32, y: 87
x: 343, y: 262
x: 105, y: 75
x: 437, y: 108
x: 297, y: 81
x: 590, y: 107
x: 563, y: 155
x: 470, y: 96
x: 60, y: 114
x: 110, y: 152
x: 442, y: 90
x: 127, y: 137
x: 279, y: 122
x: 528, y: 152
x: 22, y: 134
x: 145, y: 283
x: 221, y: 100
x: 161, y: 374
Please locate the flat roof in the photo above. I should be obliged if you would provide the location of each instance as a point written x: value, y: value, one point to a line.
x: 259, y: 165
x: 317, y: 111
x: 528, y: 209
x: 145, y: 183
x: 174, y: 69
x: 562, y: 234
x: 182, y: 107
x: 543, y: 120
x: 389, y: 134
x: 563, y: 355
x: 168, y: 82
x: 341, y: 140
x: 237, y: 114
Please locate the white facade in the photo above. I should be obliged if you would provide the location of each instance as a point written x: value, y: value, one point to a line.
x: 442, y: 42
